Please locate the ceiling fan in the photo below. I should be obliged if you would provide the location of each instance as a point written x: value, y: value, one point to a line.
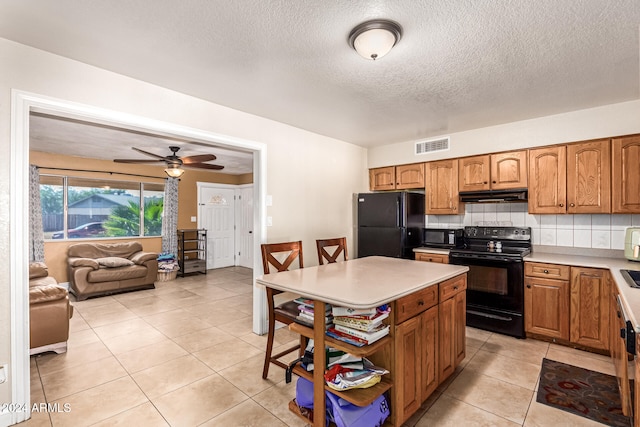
x: 174, y: 163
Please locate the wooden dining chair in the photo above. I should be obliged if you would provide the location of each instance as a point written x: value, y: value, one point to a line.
x: 285, y: 312
x: 340, y: 245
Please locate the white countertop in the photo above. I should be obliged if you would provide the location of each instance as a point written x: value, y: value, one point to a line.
x: 630, y: 296
x: 362, y: 282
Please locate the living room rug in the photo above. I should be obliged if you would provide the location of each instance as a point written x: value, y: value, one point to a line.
x: 583, y: 392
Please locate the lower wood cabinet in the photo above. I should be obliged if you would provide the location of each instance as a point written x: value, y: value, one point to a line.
x: 429, y: 257
x: 619, y: 353
x: 427, y: 333
x: 416, y: 341
x: 590, y: 290
x: 568, y: 304
x: 452, y: 324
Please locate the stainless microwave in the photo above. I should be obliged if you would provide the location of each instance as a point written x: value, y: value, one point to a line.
x: 443, y: 237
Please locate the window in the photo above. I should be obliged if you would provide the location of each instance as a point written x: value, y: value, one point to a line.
x: 97, y: 208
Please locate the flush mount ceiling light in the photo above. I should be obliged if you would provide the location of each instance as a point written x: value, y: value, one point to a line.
x: 374, y: 39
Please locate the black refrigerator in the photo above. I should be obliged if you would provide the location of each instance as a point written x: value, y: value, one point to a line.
x: 390, y: 223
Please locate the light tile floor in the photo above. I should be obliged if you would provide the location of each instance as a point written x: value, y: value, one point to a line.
x: 184, y: 354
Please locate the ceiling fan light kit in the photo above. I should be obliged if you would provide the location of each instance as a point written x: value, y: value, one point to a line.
x: 175, y: 163
x: 174, y: 171
x: 374, y: 39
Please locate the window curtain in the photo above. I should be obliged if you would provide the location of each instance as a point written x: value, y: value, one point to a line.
x: 36, y: 233
x: 170, y: 217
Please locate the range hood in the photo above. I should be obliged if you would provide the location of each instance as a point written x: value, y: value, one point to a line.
x: 494, y: 196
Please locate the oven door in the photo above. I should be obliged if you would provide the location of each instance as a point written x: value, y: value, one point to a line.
x: 493, y: 282
x: 495, y: 293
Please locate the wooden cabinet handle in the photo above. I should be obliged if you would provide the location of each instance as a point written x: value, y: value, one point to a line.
x: 455, y: 288
x: 528, y: 286
x: 561, y: 205
x: 572, y: 205
x: 546, y: 271
x: 485, y: 182
x: 420, y: 302
x: 494, y: 182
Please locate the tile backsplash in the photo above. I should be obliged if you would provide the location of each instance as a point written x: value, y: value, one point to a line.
x: 597, y: 231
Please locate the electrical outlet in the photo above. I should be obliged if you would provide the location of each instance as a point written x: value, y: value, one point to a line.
x: 269, y: 221
x: 3, y: 373
x: 193, y: 219
x: 269, y: 200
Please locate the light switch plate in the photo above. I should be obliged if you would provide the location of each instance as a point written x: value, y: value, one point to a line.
x: 269, y: 200
x: 194, y: 219
x: 269, y: 221
x: 3, y: 373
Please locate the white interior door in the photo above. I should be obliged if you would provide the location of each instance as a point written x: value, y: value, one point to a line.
x: 217, y: 216
x: 244, y: 227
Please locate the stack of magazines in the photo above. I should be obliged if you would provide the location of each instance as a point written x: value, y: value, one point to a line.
x: 307, y: 313
x: 359, y: 326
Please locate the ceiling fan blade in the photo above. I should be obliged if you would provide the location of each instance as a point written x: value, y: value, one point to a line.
x: 137, y: 161
x: 203, y: 166
x: 149, y: 154
x: 198, y: 159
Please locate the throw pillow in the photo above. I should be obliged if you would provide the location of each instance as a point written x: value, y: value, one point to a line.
x: 114, y: 261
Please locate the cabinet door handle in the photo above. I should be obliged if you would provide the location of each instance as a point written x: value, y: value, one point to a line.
x: 572, y: 205
x: 528, y: 286
x: 420, y: 302
x: 546, y: 271
x: 561, y: 205
x: 494, y: 182
x: 455, y: 288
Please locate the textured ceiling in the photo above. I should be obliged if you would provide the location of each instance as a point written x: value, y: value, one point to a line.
x: 460, y: 65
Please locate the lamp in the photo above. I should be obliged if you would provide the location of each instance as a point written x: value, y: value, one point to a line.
x: 174, y: 171
x: 374, y: 39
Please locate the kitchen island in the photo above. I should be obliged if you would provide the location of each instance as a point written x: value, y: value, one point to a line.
x: 427, y: 333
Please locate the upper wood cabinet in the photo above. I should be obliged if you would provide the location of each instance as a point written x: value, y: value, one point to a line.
x: 625, y: 181
x: 548, y: 180
x: 382, y: 178
x: 589, y: 177
x: 441, y: 187
x: 499, y: 171
x: 573, y: 178
x: 410, y: 176
x: 401, y: 177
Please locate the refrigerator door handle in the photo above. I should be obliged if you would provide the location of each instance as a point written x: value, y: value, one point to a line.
x: 398, y: 224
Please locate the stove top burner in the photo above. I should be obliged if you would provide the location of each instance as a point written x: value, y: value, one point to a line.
x: 511, y: 242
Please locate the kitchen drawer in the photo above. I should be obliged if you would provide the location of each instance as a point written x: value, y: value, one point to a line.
x: 194, y: 265
x: 450, y: 287
x: 416, y: 303
x: 547, y: 271
x: 429, y: 257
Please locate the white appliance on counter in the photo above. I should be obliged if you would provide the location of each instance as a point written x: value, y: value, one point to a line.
x: 632, y: 244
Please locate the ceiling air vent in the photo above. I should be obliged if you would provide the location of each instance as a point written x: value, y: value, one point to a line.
x: 440, y: 144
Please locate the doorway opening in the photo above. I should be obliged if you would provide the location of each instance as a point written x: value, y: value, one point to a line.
x: 22, y: 106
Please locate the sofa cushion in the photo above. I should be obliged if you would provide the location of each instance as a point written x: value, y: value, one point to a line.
x: 84, y: 262
x: 42, y: 281
x: 116, y: 274
x: 113, y: 261
x: 38, y: 269
x: 102, y: 250
x: 44, y: 293
x: 142, y: 257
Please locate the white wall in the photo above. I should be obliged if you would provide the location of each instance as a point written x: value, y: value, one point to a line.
x: 609, y: 120
x: 580, y: 231
x: 311, y: 177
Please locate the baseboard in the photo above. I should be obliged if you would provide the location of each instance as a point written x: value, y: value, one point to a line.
x: 10, y: 418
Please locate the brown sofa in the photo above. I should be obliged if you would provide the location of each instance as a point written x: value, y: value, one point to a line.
x: 101, y: 268
x: 49, y: 311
